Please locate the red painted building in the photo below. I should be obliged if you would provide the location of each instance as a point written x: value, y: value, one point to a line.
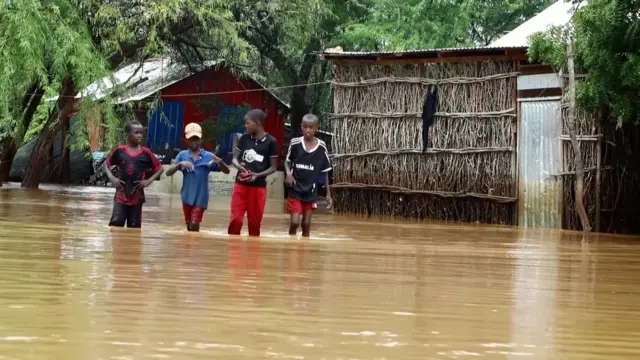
x: 213, y: 93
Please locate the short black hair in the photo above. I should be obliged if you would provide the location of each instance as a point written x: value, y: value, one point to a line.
x: 311, y: 117
x: 128, y: 126
x: 257, y: 115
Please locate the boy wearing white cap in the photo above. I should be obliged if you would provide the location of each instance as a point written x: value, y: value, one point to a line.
x: 195, y: 164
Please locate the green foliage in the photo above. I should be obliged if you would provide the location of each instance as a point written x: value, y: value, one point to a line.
x: 606, y: 37
x: 43, y: 42
x: 232, y: 120
x: 427, y: 24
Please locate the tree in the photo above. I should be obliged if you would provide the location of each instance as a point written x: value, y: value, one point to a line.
x: 41, y: 47
x: 606, y: 36
x: 287, y: 35
x: 429, y: 24
x: 72, y: 43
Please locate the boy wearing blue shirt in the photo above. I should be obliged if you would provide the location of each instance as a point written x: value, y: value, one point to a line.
x: 195, y: 164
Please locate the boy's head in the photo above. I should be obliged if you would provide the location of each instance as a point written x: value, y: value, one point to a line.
x: 309, y: 126
x: 193, y: 133
x: 134, y: 131
x: 254, y: 121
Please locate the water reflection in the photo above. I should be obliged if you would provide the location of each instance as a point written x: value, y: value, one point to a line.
x: 297, y: 275
x: 244, y: 263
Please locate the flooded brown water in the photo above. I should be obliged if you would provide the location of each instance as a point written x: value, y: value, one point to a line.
x: 74, y: 289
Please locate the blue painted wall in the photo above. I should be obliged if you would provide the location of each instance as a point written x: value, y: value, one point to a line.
x: 166, y: 126
x: 233, y: 118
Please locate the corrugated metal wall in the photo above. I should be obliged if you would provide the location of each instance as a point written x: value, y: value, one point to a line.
x: 540, y: 160
x: 165, y: 127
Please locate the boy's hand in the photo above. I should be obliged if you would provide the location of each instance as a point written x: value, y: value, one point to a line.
x: 252, y: 177
x: 216, y: 160
x: 142, y: 184
x: 329, y: 202
x: 119, y: 184
x: 247, y: 176
x: 289, y: 180
x: 186, y: 165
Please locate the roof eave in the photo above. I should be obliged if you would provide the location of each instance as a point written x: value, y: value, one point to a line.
x: 433, y: 55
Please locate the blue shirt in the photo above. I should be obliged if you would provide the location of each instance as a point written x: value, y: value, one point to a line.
x: 195, y: 184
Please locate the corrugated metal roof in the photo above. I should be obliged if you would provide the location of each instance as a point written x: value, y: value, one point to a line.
x: 557, y: 14
x: 154, y: 76
x: 336, y: 53
x: 144, y: 80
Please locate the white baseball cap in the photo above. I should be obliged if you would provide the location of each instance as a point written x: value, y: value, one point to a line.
x: 192, y: 130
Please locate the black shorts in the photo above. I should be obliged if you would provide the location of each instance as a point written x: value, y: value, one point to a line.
x: 129, y: 214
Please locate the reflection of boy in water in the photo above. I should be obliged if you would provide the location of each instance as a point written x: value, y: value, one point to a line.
x: 244, y: 264
x: 133, y: 163
x: 298, y: 274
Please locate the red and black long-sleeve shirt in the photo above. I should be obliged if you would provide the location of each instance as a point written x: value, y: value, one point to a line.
x: 132, y: 167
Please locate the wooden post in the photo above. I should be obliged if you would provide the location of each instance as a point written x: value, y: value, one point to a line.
x: 598, y: 173
x: 579, y: 181
x: 514, y: 145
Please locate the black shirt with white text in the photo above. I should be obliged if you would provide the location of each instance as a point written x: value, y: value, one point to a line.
x: 255, y: 155
x: 307, y: 165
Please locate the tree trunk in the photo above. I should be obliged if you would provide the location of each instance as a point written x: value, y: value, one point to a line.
x: 9, y: 150
x: 65, y: 153
x: 12, y: 143
x: 42, y: 150
x: 299, y: 109
x: 579, y: 183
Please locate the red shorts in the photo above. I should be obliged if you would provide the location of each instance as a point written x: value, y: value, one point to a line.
x: 192, y: 213
x: 295, y: 206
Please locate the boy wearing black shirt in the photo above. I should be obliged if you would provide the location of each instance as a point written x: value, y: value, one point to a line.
x: 136, y: 168
x: 307, y: 158
x: 255, y: 157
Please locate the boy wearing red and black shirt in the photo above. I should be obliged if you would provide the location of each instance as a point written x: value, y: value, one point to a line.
x: 133, y: 164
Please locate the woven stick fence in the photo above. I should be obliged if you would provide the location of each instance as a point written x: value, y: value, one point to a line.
x: 467, y: 174
x: 618, y: 192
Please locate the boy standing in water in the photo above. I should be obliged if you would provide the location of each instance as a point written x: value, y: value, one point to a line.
x: 133, y: 163
x: 255, y: 157
x: 195, y: 164
x: 306, y: 159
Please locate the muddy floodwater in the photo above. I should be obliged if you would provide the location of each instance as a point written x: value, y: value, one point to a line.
x: 71, y: 288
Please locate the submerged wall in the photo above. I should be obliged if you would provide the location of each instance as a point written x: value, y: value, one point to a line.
x: 219, y: 184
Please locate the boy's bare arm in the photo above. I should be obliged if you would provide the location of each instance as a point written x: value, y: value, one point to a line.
x: 270, y: 170
x: 156, y: 175
x: 114, y: 180
x: 235, y: 162
x: 221, y: 164
x: 326, y: 184
x: 173, y: 169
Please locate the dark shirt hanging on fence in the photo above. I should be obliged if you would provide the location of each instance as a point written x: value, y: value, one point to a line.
x: 428, y: 113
